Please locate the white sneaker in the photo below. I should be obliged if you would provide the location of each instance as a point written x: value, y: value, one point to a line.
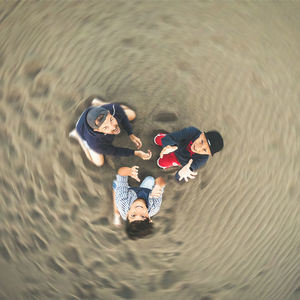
x: 158, y: 135
x: 159, y: 164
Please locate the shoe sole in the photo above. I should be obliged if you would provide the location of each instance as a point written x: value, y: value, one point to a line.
x: 159, y: 165
x: 155, y: 138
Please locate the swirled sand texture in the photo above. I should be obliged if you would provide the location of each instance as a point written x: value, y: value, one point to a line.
x: 233, y: 233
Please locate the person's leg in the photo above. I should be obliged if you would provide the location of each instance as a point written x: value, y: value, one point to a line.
x: 98, y: 102
x: 148, y: 183
x: 117, y: 217
x: 94, y: 157
x: 97, y: 159
x: 128, y: 111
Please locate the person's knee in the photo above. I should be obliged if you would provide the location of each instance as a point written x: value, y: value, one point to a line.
x: 99, y: 161
x: 131, y: 115
x: 150, y: 180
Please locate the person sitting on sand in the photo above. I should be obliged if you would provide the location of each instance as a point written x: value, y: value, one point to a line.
x: 189, y: 148
x: 136, y: 205
x: 97, y: 127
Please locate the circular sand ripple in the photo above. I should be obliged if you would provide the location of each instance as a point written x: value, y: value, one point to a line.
x: 232, y: 233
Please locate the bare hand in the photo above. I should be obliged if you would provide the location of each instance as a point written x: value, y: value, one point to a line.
x: 186, y: 172
x: 168, y: 149
x: 158, y: 187
x: 143, y: 155
x: 156, y: 191
x: 137, y: 141
x: 134, y: 173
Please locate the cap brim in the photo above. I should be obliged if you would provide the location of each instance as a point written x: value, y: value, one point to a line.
x: 94, y: 113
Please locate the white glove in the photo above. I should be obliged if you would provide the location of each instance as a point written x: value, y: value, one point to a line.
x: 186, y: 173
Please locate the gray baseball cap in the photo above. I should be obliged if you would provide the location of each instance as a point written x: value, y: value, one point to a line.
x: 94, y: 113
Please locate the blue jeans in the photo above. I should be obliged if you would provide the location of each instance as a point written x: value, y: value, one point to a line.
x: 147, y: 183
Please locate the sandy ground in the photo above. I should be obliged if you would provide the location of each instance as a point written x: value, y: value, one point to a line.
x: 232, y: 233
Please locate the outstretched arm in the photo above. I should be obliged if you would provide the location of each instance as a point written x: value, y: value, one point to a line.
x: 155, y: 197
x: 132, y: 172
x: 137, y: 141
x: 186, y: 172
x: 117, y: 217
x: 109, y: 149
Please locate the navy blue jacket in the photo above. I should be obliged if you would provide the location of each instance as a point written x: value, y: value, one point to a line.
x: 183, y: 139
x: 100, y: 142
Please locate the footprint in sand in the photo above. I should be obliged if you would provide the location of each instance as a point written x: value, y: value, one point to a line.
x: 15, y: 101
x: 64, y: 234
x: 30, y: 135
x: 128, y: 42
x: 101, y: 221
x: 2, y: 116
x: 125, y: 292
x: 40, y: 88
x: 111, y: 238
x: 165, y: 117
x: 34, y: 113
x: 36, y: 214
x: 106, y: 283
x: 169, y: 278
x: 4, y: 252
x: 32, y: 69
x: 67, y: 164
x: 72, y: 255
x: 54, y: 265
x: 40, y: 242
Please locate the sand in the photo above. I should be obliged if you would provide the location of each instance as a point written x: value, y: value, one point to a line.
x: 234, y: 231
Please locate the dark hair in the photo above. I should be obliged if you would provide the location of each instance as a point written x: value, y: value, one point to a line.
x: 99, y: 120
x: 138, y: 229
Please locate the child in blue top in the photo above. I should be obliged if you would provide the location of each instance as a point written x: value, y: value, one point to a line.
x: 189, y: 148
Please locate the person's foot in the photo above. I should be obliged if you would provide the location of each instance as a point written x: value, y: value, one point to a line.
x: 159, y: 164
x: 117, y: 220
x: 157, y: 139
x: 73, y: 134
x: 168, y: 161
x: 98, y: 102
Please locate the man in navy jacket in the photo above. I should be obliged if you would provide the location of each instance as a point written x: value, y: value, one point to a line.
x: 189, y: 148
x: 97, y: 127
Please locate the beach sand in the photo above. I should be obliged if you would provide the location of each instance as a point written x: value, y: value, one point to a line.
x: 233, y: 232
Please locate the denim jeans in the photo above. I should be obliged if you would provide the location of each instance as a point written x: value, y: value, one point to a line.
x: 147, y: 183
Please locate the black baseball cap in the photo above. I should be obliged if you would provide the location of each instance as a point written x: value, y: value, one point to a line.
x: 215, y: 141
x: 94, y: 113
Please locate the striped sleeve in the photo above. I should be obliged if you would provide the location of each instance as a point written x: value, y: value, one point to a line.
x: 122, y: 197
x: 154, y: 204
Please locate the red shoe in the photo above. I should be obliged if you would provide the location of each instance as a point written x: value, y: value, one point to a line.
x: 158, y: 137
x: 168, y: 161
